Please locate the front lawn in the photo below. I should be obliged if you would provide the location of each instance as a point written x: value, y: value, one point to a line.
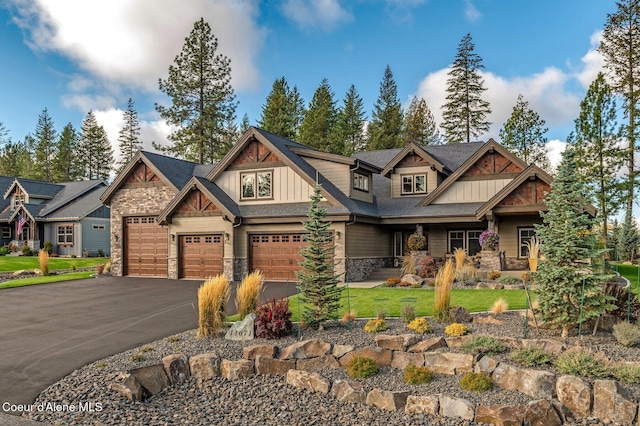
x: 18, y: 263
x: 628, y: 271
x: 22, y: 282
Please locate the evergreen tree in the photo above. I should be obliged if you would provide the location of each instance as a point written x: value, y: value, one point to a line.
x: 598, y: 156
x: 4, y: 134
x: 298, y: 110
x: 419, y: 124
x: 13, y: 157
x: 129, y: 136
x: 45, y: 148
x: 567, y: 243
x: 523, y: 135
x: 318, y: 128
x: 620, y: 49
x: 65, y: 162
x: 202, y: 98
x: 385, y: 128
x: 465, y: 111
x: 95, y: 155
x: 318, y: 283
x: 29, y: 169
x: 628, y: 239
x: 229, y: 137
x: 279, y: 111
x: 350, y: 125
x: 245, y: 124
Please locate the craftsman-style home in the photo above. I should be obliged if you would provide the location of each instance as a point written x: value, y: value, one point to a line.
x: 177, y: 219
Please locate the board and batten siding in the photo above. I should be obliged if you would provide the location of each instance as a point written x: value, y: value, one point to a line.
x: 396, y: 179
x: 508, y: 231
x: 363, y: 240
x: 95, y: 235
x: 287, y: 186
x: 437, y: 241
x: 471, y: 191
x: 51, y: 234
x: 336, y: 173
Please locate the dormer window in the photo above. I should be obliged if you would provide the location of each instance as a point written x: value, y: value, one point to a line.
x: 414, y: 184
x: 256, y: 185
x: 361, y: 182
x: 18, y: 199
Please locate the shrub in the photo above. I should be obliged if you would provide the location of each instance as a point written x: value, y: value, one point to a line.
x: 362, y: 367
x: 508, y: 280
x: 626, y: 334
x: 420, y: 325
x: 629, y: 374
x: 137, y: 357
x: 404, y: 284
x: 416, y: 242
x: 100, y: 253
x: 427, y: 267
x: 476, y: 382
x: 375, y: 326
x: 393, y: 281
x: 100, y: 269
x: 43, y: 258
x: 408, y: 265
x: 456, y: 330
x: 408, y: 314
x: 417, y: 375
x: 4, y: 251
x: 248, y: 293
x: 499, y: 306
x: 213, y: 295
x: 530, y: 356
x: 466, y: 274
x: 381, y: 315
x: 26, y: 250
x: 493, y: 275
x: 444, y: 281
x: 483, y: 345
x: 48, y: 247
x: 581, y: 362
x: 349, y: 316
x: 273, y: 319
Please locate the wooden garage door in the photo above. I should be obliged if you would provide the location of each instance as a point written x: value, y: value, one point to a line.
x: 200, y: 256
x: 145, y: 247
x: 276, y: 255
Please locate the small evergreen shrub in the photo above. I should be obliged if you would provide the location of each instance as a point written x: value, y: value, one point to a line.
x: 381, y: 315
x: 273, y: 319
x: 375, y: 326
x: 493, y: 275
x: 4, y: 251
x: 408, y: 314
x: 417, y: 375
x: 627, y: 334
x: 530, y: 356
x: 26, y: 250
x: 48, y: 247
x: 420, y: 325
x: 456, y: 330
x: 629, y: 374
x: 476, y: 382
x: 483, y: 345
x: 507, y: 280
x: 581, y: 362
x: 362, y: 367
x: 137, y: 357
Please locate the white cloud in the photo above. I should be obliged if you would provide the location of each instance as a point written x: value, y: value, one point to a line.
x: 555, y: 148
x: 591, y: 63
x: 323, y: 14
x: 471, y: 12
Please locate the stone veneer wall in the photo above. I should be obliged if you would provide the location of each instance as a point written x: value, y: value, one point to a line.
x: 515, y: 264
x: 359, y: 268
x: 240, y: 268
x: 143, y: 199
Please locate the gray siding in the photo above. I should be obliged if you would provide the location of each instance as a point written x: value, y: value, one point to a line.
x: 365, y: 240
x: 95, y: 239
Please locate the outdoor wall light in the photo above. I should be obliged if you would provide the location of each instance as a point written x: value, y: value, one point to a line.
x: 226, y: 236
x: 173, y: 238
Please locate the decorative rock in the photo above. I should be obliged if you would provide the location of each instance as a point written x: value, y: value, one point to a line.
x: 541, y: 413
x: 177, y: 368
x: 396, y: 343
x: 319, y: 363
x: 428, y: 345
x: 252, y: 352
x: 305, y: 349
x: 345, y: 391
x: 307, y: 380
x: 575, y: 394
x: 387, y: 400
x: 127, y: 386
x: 612, y: 403
x: 242, y: 330
x: 205, y: 366
x: 492, y: 286
x: 485, y: 365
x: 412, y: 279
x: 268, y: 365
x: 535, y: 383
x: 456, y: 342
x: 340, y: 350
x: 153, y: 378
x: 381, y: 356
x: 511, y: 342
x: 554, y: 347
x: 456, y: 407
x: 486, y: 320
x: 422, y: 404
x: 502, y: 415
x: 233, y: 370
x: 448, y: 362
x: 402, y: 359
x: 459, y: 314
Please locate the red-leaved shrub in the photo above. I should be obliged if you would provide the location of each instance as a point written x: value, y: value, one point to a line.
x: 273, y: 319
x: 427, y: 267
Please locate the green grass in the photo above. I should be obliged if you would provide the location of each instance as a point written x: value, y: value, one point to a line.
x: 628, y: 271
x: 46, y: 280
x: 17, y: 263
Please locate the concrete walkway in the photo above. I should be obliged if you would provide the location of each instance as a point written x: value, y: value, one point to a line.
x: 363, y: 284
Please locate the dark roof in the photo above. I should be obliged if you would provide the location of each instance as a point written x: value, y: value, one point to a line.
x: 220, y: 195
x: 80, y: 206
x: 35, y: 187
x: 177, y: 171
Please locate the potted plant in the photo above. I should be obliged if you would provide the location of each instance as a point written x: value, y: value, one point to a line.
x: 417, y: 242
x: 489, y: 240
x: 534, y: 251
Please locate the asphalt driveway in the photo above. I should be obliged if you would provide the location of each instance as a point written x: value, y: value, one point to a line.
x: 47, y: 331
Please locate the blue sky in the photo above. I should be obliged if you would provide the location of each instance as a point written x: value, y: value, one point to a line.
x: 74, y: 55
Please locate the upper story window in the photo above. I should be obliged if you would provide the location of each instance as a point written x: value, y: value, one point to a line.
x: 18, y: 198
x: 414, y: 184
x: 256, y: 185
x: 361, y: 182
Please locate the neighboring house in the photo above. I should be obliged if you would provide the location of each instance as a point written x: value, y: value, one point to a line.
x: 173, y: 218
x: 70, y: 215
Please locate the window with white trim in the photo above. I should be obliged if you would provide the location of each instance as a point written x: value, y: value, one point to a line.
x: 524, y: 236
x: 361, y: 182
x: 466, y: 240
x: 98, y: 227
x: 256, y: 185
x: 65, y: 235
x: 414, y: 184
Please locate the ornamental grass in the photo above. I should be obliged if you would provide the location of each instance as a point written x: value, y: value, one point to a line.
x: 460, y: 255
x: 444, y: 282
x: 248, y: 294
x: 213, y: 295
x: 43, y: 258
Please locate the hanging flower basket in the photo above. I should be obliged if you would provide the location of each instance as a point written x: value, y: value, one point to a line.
x: 489, y: 240
x: 417, y: 242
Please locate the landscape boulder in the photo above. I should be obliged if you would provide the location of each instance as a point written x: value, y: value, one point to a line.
x: 176, y: 366
x: 242, y: 330
x: 308, y: 380
x: 428, y: 345
x: 234, y: 370
x: 127, y: 385
x: 268, y: 365
x: 612, y: 403
x: 422, y: 404
x: 348, y: 391
x: 456, y: 407
x: 500, y: 415
x: 448, y: 362
x: 541, y: 413
x: 204, y: 366
x: 387, y: 400
x: 253, y: 351
x: 152, y: 378
x: 305, y: 349
x: 575, y: 394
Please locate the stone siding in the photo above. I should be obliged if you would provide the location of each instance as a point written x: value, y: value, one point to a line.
x: 359, y: 268
x: 240, y: 268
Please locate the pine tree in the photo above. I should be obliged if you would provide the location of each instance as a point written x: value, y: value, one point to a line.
x: 567, y: 242
x: 628, y: 239
x: 29, y: 169
x: 95, y: 154
x: 129, y: 136
x: 385, y: 128
x: 65, y: 163
x: 4, y: 134
x: 465, y: 111
x: 46, y: 138
x: 202, y: 98
x: 350, y: 125
x: 245, y: 124
x: 13, y: 157
x: 318, y: 283
x: 419, y: 124
x: 523, y: 135
x: 298, y: 110
x: 598, y: 155
x: 620, y: 49
x: 318, y: 128
x: 279, y: 111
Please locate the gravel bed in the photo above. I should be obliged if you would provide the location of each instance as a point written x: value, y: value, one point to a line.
x: 267, y: 400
